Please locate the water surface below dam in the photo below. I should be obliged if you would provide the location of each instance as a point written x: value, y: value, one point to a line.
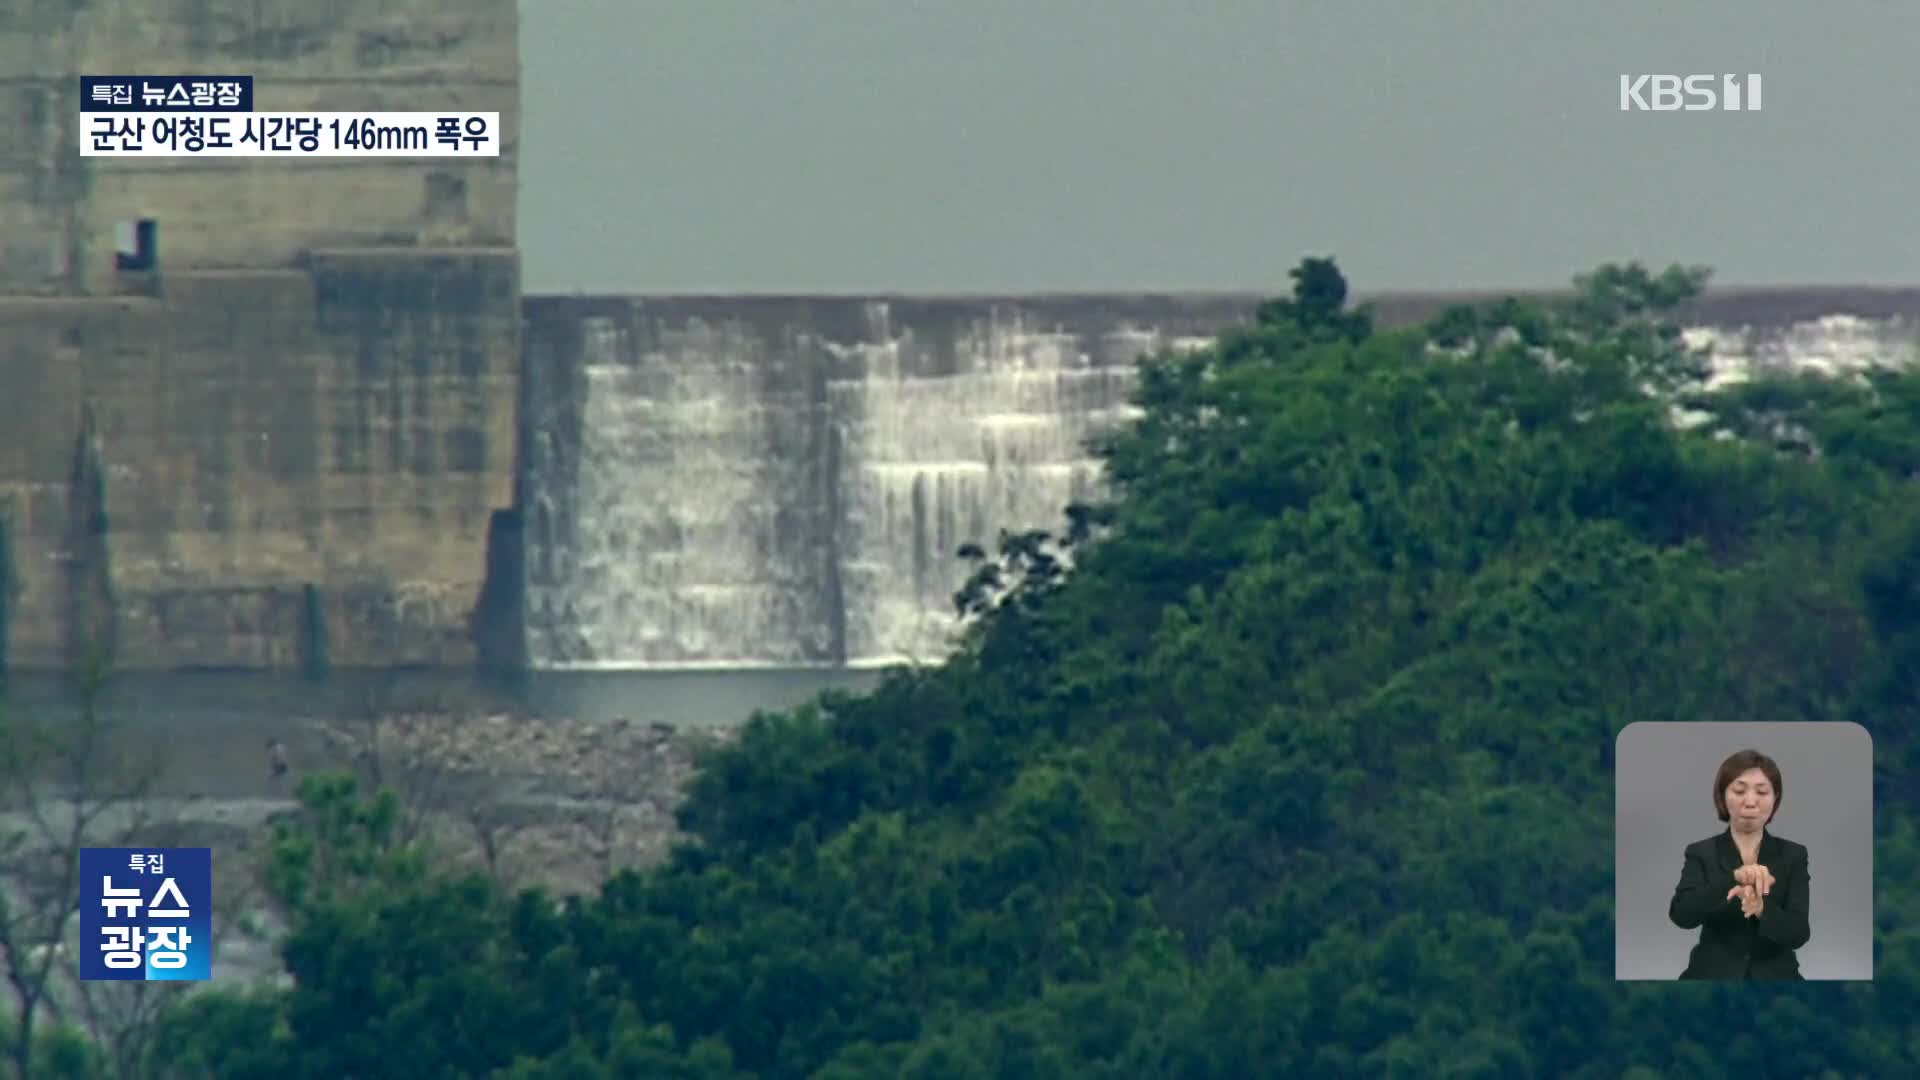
x: 206, y: 732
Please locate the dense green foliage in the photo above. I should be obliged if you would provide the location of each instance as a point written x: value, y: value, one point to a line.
x: 1303, y: 769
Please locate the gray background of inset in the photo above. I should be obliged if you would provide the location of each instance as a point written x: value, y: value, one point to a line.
x: 1663, y: 801
x: 1125, y: 145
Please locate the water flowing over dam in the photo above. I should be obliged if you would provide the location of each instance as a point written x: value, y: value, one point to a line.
x: 784, y: 482
x: 704, y: 492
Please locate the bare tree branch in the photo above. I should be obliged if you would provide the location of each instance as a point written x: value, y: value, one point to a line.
x: 65, y: 789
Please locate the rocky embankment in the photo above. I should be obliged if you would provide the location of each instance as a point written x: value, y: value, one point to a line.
x: 556, y: 803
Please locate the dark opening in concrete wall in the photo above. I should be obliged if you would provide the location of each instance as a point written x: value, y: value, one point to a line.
x: 500, y: 614
x: 137, y: 245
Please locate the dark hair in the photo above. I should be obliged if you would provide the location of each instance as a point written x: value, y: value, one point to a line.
x: 1737, y: 764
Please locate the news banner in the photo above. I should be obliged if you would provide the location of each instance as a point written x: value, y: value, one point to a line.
x: 146, y: 914
x: 213, y: 116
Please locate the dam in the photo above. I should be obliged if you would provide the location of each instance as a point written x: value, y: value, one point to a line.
x: 784, y: 481
x: 323, y: 419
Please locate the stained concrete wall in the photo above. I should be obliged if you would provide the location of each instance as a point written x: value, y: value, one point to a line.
x: 59, y: 211
x: 350, y: 426
x: 317, y: 387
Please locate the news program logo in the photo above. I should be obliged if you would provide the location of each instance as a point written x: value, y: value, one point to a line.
x: 146, y: 914
x: 1689, y: 93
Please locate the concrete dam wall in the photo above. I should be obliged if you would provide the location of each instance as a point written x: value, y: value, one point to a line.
x: 693, y: 482
x: 319, y: 417
x: 784, y: 481
x: 289, y: 426
x: 347, y: 427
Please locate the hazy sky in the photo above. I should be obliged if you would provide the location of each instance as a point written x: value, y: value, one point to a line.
x: 1022, y: 145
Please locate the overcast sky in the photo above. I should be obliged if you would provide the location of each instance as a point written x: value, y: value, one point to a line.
x: 1024, y: 145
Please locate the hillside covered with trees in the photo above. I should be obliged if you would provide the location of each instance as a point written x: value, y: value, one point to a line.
x: 1304, y: 769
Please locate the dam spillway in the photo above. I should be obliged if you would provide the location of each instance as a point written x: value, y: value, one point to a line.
x: 704, y: 490
x: 784, y: 482
x: 460, y: 472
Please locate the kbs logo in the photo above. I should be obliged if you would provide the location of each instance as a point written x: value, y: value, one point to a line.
x: 1692, y: 93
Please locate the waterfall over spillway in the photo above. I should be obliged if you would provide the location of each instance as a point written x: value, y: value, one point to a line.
x: 682, y: 549
x: 677, y: 509
x: 1834, y: 345
x: 929, y: 463
x: 785, y: 483
x: 705, y: 493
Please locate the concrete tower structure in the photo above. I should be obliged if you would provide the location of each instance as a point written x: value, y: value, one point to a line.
x: 301, y: 417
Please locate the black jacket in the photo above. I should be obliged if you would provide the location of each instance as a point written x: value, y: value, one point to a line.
x: 1733, y: 946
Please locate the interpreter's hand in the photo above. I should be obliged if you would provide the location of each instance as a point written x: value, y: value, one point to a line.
x: 1754, y: 875
x: 1751, y: 903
